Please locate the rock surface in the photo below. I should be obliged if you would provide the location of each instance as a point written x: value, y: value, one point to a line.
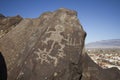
x: 7, y: 23
x: 2, y: 16
x: 50, y: 47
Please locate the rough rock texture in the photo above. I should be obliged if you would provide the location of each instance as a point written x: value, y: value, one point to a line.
x: 91, y: 71
x: 7, y: 23
x: 50, y: 47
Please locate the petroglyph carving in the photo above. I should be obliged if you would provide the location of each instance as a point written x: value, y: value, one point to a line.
x: 70, y: 41
x: 55, y: 36
x: 44, y: 56
x: 62, y: 18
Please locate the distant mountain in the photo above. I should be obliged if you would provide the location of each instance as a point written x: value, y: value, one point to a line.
x: 111, y: 43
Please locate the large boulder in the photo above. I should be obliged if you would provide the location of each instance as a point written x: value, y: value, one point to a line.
x: 50, y: 47
x: 45, y: 48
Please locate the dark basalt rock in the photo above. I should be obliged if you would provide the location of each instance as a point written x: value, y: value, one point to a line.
x: 7, y: 23
x: 1, y: 16
x: 3, y: 68
x: 50, y: 47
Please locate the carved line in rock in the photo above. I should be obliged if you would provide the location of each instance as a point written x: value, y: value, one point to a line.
x: 44, y: 55
x: 55, y: 36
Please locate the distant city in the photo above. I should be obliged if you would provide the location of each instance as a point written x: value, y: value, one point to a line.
x: 105, y: 53
x: 106, y: 57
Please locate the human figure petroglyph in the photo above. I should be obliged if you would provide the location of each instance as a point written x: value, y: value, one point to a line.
x: 55, y: 36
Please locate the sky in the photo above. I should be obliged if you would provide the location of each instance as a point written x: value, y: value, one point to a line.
x: 99, y: 18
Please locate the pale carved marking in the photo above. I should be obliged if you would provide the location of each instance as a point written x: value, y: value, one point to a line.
x: 62, y: 18
x: 70, y: 41
x: 55, y: 36
x: 44, y: 55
